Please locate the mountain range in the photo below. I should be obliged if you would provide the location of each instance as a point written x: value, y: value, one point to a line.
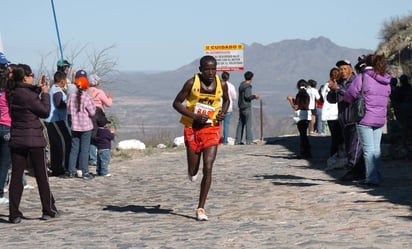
x: 143, y: 101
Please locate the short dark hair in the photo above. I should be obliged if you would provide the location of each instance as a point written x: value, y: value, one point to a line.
x: 59, y: 76
x: 207, y: 58
x: 225, y: 76
x: 248, y: 75
x: 312, y: 83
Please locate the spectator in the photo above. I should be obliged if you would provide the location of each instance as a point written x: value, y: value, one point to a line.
x: 353, y: 147
x: 82, y: 109
x: 376, y: 84
x: 245, y: 109
x: 64, y: 66
x: 104, y: 138
x: 314, y: 96
x: 57, y: 127
x: 330, y: 114
x: 302, y: 117
x: 101, y: 100
x: 5, y: 123
x: 402, y: 100
x: 232, y: 96
x: 320, y: 124
x: 28, y: 103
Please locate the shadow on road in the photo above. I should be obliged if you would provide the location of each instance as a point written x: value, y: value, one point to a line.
x: 144, y: 209
x: 397, y: 174
x: 138, y: 209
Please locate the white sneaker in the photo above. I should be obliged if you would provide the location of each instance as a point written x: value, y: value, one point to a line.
x: 28, y: 186
x: 193, y: 178
x: 4, y: 201
x: 79, y: 173
x: 107, y: 175
x: 201, y: 214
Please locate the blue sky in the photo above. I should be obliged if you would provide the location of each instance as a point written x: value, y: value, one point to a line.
x: 166, y: 34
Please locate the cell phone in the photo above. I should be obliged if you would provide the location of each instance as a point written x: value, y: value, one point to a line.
x: 43, y: 79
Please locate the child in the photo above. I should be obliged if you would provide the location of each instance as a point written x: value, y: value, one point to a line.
x: 301, y: 106
x: 81, y: 108
x: 104, y: 137
x: 57, y: 129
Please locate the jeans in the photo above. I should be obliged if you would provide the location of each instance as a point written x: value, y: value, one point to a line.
x: 5, y: 158
x: 320, y: 124
x: 370, y: 138
x: 103, y: 160
x: 245, y: 120
x: 80, y: 145
x: 92, y: 154
x: 226, y: 124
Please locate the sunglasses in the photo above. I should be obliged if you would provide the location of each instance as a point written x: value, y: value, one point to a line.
x: 31, y: 75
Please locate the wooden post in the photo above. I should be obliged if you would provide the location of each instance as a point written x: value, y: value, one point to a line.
x: 261, y: 120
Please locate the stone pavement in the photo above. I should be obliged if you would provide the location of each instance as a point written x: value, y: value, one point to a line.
x: 262, y: 196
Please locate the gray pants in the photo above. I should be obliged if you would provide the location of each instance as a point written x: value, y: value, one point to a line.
x: 245, y: 119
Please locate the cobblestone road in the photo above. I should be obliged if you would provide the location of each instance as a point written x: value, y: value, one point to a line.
x: 262, y: 196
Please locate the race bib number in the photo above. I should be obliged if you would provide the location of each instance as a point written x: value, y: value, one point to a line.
x: 205, y: 109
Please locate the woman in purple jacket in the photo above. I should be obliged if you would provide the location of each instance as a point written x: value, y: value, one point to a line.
x: 376, y: 92
x: 27, y: 104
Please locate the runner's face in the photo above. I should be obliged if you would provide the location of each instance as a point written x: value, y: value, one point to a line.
x: 208, y: 70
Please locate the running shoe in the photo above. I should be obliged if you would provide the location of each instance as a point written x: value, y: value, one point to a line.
x: 193, y: 178
x: 201, y: 214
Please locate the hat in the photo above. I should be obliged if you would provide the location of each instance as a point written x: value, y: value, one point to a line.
x: 101, y: 120
x: 94, y: 79
x: 360, y: 65
x: 63, y: 63
x: 362, y: 57
x: 342, y: 63
x: 81, y: 73
x: 82, y: 83
x: 3, y: 59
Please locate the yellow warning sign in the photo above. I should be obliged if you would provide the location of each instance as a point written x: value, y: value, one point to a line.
x: 229, y: 57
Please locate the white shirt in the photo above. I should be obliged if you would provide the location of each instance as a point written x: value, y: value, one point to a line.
x: 232, y: 95
x: 329, y: 110
x: 314, y: 95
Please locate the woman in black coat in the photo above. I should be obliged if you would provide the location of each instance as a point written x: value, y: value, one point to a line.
x: 27, y: 104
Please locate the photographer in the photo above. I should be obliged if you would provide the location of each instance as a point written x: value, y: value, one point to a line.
x: 28, y: 103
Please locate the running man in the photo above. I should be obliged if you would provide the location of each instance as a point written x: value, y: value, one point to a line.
x: 207, y: 102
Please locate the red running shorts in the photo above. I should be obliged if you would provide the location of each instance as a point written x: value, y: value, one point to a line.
x: 199, y: 139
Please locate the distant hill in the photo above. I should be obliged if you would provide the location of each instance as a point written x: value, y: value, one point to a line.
x: 144, y: 100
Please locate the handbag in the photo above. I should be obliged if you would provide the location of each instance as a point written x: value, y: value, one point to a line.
x: 357, y: 108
